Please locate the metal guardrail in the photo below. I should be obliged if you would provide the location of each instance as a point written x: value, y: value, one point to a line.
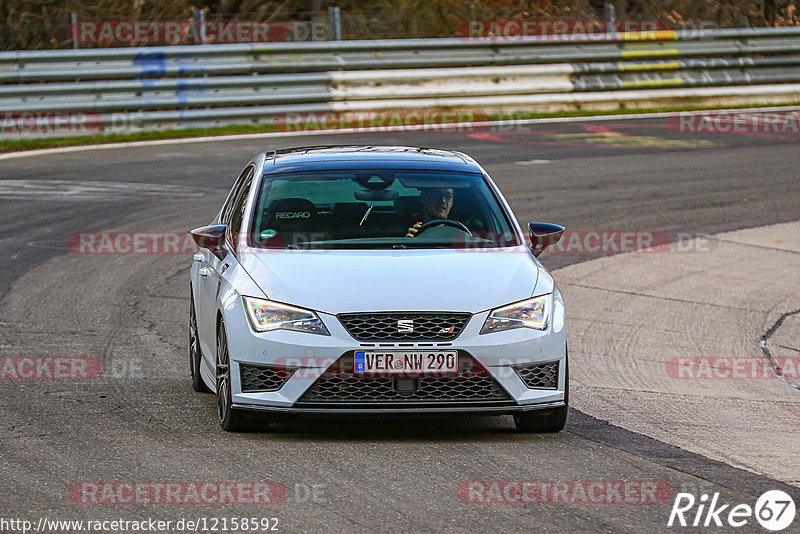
x: 215, y: 85
x: 122, y: 63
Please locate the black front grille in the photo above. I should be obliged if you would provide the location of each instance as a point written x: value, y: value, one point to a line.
x: 340, y: 385
x: 403, y: 326
x: 263, y: 378
x: 539, y: 375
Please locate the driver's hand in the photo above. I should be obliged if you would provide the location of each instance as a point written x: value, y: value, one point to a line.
x: 412, y: 232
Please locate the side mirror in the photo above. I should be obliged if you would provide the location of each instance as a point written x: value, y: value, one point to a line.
x: 543, y: 235
x: 211, y: 238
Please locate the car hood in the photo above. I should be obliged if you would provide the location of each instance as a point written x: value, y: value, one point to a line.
x: 340, y: 281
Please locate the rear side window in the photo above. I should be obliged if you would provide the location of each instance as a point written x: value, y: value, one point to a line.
x: 236, y: 213
x: 227, y: 209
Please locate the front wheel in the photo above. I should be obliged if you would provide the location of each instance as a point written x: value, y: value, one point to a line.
x: 230, y: 419
x: 546, y: 421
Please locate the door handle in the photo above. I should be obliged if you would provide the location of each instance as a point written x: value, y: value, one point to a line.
x: 197, y: 257
x: 203, y: 271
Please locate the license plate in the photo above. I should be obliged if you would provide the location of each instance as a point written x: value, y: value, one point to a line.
x: 444, y: 361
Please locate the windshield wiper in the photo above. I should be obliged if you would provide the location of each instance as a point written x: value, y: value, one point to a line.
x: 422, y: 244
x: 369, y: 210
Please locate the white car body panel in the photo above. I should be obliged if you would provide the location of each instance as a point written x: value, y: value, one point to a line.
x: 331, y: 282
x: 341, y: 281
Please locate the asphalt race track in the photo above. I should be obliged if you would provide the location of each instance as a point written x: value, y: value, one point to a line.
x: 140, y: 423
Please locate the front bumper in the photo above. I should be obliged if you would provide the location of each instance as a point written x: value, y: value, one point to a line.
x: 433, y: 410
x: 314, y: 354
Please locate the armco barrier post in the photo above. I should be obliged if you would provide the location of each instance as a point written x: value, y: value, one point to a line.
x: 334, y: 24
x: 199, y: 16
x: 73, y: 29
x: 610, y: 15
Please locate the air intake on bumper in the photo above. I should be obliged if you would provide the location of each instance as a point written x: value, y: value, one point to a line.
x: 258, y: 378
x: 539, y: 375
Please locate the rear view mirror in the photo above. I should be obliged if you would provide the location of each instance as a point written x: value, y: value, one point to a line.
x: 543, y: 235
x: 211, y: 238
x: 376, y: 196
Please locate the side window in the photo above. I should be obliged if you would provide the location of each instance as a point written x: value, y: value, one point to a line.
x: 237, y: 187
x: 237, y: 209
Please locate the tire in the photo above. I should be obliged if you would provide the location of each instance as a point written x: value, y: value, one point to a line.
x: 546, y: 421
x: 231, y: 420
x: 194, y: 352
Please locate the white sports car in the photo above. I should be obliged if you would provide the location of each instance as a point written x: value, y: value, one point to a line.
x: 352, y: 280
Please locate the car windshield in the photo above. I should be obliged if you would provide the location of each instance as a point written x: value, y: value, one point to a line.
x: 376, y: 209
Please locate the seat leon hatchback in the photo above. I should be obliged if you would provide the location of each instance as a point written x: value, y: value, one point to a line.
x: 375, y: 280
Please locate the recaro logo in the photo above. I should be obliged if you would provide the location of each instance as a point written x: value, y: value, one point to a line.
x: 293, y: 215
x: 405, y: 326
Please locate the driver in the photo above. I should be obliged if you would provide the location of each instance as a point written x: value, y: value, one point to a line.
x: 436, y: 204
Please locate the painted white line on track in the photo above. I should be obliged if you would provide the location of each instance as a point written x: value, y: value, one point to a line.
x: 532, y: 162
x: 438, y: 127
x: 66, y: 190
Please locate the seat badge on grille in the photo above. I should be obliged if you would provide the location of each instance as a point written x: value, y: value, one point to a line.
x: 448, y: 330
x: 405, y: 326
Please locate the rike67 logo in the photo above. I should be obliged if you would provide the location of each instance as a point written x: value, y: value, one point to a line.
x: 774, y: 510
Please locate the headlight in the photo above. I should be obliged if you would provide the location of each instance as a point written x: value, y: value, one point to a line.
x: 266, y: 315
x: 531, y: 313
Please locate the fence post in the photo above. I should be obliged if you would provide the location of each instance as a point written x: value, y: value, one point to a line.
x: 334, y: 23
x: 199, y: 16
x: 609, y: 13
x: 73, y: 29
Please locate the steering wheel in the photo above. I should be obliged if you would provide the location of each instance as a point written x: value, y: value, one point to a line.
x: 446, y: 222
